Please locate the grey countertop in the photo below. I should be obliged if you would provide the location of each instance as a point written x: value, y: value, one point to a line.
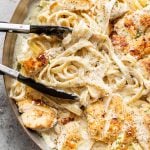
x: 12, y: 136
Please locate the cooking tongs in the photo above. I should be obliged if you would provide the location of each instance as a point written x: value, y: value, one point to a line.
x: 38, y: 29
x: 36, y: 85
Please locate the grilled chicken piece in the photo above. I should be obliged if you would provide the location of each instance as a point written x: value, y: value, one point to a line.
x: 106, y: 123
x: 126, y: 136
x: 96, y: 120
x: 74, y: 136
x: 36, y: 115
x: 114, y: 119
x: 33, y: 65
x: 132, y: 34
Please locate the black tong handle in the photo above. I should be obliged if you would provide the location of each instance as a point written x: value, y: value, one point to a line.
x: 46, y: 90
x: 50, y: 30
x: 4, y: 70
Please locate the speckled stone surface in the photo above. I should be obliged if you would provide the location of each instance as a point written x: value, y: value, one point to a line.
x: 12, y: 136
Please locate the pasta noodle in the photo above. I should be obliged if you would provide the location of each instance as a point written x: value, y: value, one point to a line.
x: 137, y: 4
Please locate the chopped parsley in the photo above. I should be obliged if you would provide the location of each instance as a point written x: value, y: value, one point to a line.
x: 116, y: 4
x: 18, y: 66
x: 138, y: 34
x: 39, y: 6
x: 146, y: 111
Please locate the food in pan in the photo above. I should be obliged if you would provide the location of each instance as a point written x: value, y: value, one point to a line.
x: 105, y: 61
